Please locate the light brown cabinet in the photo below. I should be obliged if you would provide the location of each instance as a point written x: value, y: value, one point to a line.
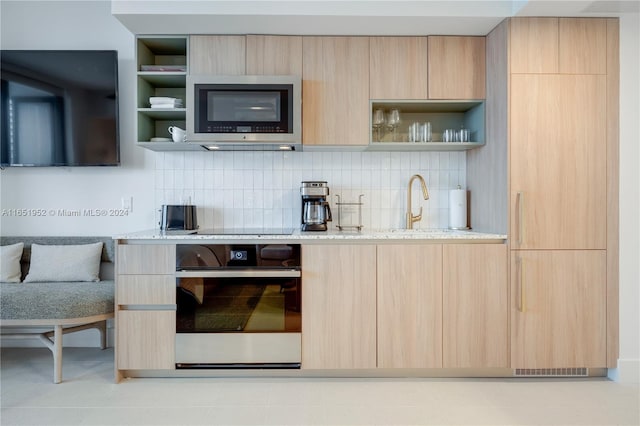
x: 217, y: 55
x: 563, y: 195
x: 250, y: 55
x: 398, y: 68
x: 274, y: 55
x: 558, y: 45
x: 404, y: 306
x: 456, y: 67
x: 339, y: 305
x: 475, y: 306
x: 145, y: 307
x: 558, y: 161
x: 558, y: 308
x: 335, y: 88
x: 144, y: 340
x: 409, y: 306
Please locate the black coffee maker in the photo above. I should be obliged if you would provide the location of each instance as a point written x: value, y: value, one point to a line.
x: 315, y: 208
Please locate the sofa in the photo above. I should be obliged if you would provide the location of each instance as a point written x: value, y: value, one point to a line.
x: 59, y: 305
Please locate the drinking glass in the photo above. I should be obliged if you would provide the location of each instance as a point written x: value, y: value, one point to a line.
x: 425, y: 135
x: 449, y: 135
x: 393, y: 121
x: 378, y: 122
x: 464, y: 135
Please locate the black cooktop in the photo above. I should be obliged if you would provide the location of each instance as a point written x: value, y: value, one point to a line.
x: 245, y: 231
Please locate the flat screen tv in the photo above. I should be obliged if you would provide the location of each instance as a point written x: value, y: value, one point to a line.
x: 59, y: 108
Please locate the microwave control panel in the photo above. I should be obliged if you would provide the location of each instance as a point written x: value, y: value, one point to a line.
x: 244, y: 129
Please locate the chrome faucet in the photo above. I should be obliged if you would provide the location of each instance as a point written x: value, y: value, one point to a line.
x: 410, y: 217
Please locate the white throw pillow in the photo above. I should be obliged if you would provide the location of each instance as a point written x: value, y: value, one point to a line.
x: 64, y: 263
x: 10, y: 263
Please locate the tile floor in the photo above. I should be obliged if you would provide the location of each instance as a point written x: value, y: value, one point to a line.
x: 88, y: 396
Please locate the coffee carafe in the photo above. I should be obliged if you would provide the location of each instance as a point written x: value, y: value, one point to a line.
x: 315, y: 208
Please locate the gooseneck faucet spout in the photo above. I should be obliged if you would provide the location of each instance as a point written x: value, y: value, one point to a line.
x: 410, y: 217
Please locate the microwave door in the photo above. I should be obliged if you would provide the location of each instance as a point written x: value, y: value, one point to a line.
x: 247, y: 109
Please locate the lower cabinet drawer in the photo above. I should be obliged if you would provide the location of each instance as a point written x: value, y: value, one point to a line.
x: 145, y: 290
x: 145, y: 340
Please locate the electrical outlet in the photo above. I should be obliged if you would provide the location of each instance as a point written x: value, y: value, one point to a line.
x: 127, y: 203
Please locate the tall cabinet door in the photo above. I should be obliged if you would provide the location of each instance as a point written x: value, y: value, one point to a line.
x: 339, y: 306
x: 410, y: 306
x: 558, y: 308
x: 558, y: 161
x: 335, y: 90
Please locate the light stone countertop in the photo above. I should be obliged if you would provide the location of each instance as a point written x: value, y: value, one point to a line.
x: 331, y: 236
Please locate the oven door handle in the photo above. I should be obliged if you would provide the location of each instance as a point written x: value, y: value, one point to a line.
x: 281, y: 273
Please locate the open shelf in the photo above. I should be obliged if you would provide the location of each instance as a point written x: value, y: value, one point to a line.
x: 448, y: 114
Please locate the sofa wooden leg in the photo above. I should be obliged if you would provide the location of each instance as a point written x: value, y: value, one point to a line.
x: 57, y: 354
x: 102, y: 327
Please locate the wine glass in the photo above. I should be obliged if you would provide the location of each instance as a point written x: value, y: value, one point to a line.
x: 393, y: 121
x: 378, y: 122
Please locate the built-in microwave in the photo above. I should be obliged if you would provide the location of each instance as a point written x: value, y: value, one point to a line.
x: 244, y: 112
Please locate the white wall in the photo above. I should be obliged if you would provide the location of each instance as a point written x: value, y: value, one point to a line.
x: 629, y: 360
x: 89, y: 25
x: 77, y: 25
x: 256, y: 189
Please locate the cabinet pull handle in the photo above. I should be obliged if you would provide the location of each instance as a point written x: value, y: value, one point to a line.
x: 522, y: 302
x: 520, y: 204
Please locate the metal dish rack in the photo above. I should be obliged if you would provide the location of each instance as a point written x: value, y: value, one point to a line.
x: 340, y: 205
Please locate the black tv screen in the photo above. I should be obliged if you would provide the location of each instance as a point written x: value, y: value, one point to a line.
x: 59, y: 108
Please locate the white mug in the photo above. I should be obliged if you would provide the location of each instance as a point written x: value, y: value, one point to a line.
x: 178, y: 134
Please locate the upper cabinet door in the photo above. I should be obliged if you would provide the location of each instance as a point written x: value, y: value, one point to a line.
x: 558, y: 161
x: 274, y: 55
x: 398, y: 67
x: 335, y: 90
x: 534, y: 45
x: 558, y: 46
x: 583, y: 46
x: 456, y: 67
x: 217, y: 55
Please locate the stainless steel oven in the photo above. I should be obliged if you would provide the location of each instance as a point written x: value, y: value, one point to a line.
x: 238, y: 306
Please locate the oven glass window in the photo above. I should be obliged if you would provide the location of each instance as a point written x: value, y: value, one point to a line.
x: 238, y: 288
x: 218, y: 305
x: 238, y: 106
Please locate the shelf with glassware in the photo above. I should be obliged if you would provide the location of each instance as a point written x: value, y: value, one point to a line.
x: 161, y: 63
x: 422, y: 125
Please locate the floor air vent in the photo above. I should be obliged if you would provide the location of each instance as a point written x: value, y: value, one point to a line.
x: 551, y: 372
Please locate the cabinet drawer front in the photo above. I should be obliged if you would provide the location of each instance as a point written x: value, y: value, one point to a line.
x: 146, y: 340
x: 146, y: 259
x: 145, y: 290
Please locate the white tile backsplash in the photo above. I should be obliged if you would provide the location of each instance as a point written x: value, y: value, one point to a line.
x: 262, y: 189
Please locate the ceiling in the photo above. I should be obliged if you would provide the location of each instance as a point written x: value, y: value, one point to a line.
x: 337, y: 17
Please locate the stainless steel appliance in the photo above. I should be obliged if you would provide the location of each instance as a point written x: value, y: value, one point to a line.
x: 238, y: 306
x: 315, y: 208
x: 178, y: 218
x: 244, y: 112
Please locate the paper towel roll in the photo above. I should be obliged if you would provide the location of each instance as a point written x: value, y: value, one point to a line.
x: 458, y: 208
